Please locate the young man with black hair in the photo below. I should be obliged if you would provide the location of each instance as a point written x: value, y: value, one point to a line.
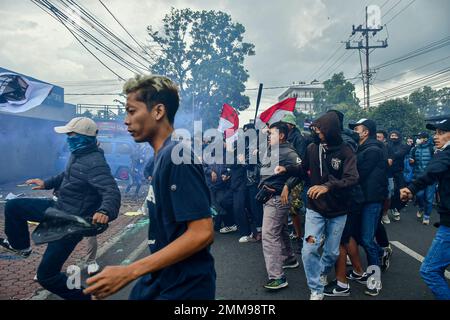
x: 438, y: 170
x: 180, y: 266
x: 277, y: 249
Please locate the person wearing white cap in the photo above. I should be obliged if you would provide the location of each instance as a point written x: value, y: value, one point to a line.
x: 86, y: 188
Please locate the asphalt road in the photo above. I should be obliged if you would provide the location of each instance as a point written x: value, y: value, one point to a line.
x: 241, y: 271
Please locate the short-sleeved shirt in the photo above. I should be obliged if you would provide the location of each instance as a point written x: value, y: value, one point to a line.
x: 178, y: 194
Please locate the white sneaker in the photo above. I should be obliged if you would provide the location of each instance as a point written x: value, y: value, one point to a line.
x: 396, y: 215
x: 35, y: 278
x: 228, y: 229
x: 93, y: 268
x: 426, y: 221
x: 316, y: 296
x: 323, y: 280
x: 248, y: 238
x: 385, y: 219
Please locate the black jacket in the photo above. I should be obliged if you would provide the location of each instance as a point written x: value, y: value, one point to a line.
x: 287, y: 157
x: 438, y: 170
x: 86, y: 186
x: 298, y: 142
x: 372, y: 170
x: 397, y: 152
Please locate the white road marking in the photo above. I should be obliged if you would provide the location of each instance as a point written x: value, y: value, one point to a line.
x: 413, y: 254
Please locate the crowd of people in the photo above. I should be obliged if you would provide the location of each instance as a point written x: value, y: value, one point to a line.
x: 335, y: 186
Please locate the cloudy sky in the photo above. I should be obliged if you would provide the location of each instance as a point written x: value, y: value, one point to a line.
x: 296, y: 40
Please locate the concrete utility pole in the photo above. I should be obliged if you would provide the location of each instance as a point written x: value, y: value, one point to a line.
x: 366, y: 46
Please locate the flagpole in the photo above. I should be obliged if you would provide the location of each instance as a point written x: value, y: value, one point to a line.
x: 258, y: 100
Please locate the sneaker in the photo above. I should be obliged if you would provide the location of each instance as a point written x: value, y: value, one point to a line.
x: 292, y: 264
x: 419, y: 214
x: 386, y: 259
x: 316, y: 296
x: 385, y: 219
x: 35, y: 279
x: 323, y: 280
x: 293, y: 236
x: 93, y: 268
x: 248, y: 238
x: 358, y: 278
x: 334, y: 290
x: 372, y: 292
x: 396, y: 215
x: 275, y: 284
x: 228, y: 229
x: 426, y: 221
x: 25, y: 253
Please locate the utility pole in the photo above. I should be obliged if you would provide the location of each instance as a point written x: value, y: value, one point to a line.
x: 366, y: 46
x: 258, y: 100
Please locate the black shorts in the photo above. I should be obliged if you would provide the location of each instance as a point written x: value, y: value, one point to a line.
x: 352, y: 228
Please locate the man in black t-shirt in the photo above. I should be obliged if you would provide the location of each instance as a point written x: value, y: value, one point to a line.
x: 180, y: 266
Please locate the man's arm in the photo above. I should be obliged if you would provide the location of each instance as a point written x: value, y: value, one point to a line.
x: 437, y: 166
x: 101, y: 179
x: 54, y: 182
x: 372, y: 160
x: 199, y: 234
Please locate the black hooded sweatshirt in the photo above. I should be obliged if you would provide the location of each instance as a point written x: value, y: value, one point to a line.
x: 332, y: 165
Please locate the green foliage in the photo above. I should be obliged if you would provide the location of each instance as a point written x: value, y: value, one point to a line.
x: 337, y: 90
x: 204, y: 52
x: 431, y: 102
x: 398, y: 114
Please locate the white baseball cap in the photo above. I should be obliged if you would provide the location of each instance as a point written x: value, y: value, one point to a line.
x: 80, y: 125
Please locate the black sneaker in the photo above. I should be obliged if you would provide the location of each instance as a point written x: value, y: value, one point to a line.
x: 334, y: 290
x: 372, y: 292
x: 25, y: 253
x: 275, y: 284
x: 291, y: 264
x: 358, y: 278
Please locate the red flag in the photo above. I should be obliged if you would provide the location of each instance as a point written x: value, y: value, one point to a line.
x: 276, y: 112
x: 229, y: 121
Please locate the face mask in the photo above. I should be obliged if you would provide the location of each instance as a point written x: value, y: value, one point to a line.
x: 395, y: 140
x: 80, y: 141
x: 316, y: 138
x: 419, y: 141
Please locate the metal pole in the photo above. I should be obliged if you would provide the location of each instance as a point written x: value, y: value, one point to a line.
x: 258, y: 100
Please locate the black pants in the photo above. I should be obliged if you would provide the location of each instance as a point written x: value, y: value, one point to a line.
x: 399, y: 183
x: 49, y: 275
x: 222, y: 200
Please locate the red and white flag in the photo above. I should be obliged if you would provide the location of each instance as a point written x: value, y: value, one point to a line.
x: 229, y: 123
x: 276, y: 112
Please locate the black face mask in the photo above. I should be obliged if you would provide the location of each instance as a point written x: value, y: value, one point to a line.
x: 316, y: 138
x: 395, y: 141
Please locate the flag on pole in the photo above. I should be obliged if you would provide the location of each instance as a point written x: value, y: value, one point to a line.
x: 229, y: 123
x: 276, y: 112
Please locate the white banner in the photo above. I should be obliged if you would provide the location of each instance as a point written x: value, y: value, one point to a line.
x: 18, y: 94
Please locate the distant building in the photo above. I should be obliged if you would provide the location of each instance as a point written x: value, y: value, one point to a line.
x: 305, y: 95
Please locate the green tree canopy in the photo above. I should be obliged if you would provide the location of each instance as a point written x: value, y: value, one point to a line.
x: 337, y: 90
x: 204, y: 52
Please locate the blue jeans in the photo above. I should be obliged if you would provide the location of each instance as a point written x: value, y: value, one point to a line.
x: 370, y: 215
x: 425, y: 199
x: 435, y: 263
x: 314, y: 264
x: 49, y: 275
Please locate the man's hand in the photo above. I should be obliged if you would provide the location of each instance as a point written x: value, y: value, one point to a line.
x: 285, y: 195
x: 225, y: 177
x: 316, y: 191
x: 38, y: 182
x: 390, y: 162
x: 241, y: 158
x: 405, y: 194
x: 100, y: 218
x: 108, y: 282
x: 213, y: 177
x: 411, y: 161
x: 280, y: 170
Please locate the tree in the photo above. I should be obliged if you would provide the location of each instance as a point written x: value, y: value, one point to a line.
x: 352, y: 113
x: 337, y: 90
x: 424, y: 99
x: 398, y: 114
x: 204, y: 52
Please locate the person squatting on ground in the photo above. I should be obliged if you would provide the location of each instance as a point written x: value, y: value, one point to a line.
x: 332, y: 169
x: 86, y: 188
x: 180, y: 265
x: 438, y: 170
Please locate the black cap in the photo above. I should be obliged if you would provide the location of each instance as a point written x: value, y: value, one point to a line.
x: 443, y: 125
x: 369, y: 124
